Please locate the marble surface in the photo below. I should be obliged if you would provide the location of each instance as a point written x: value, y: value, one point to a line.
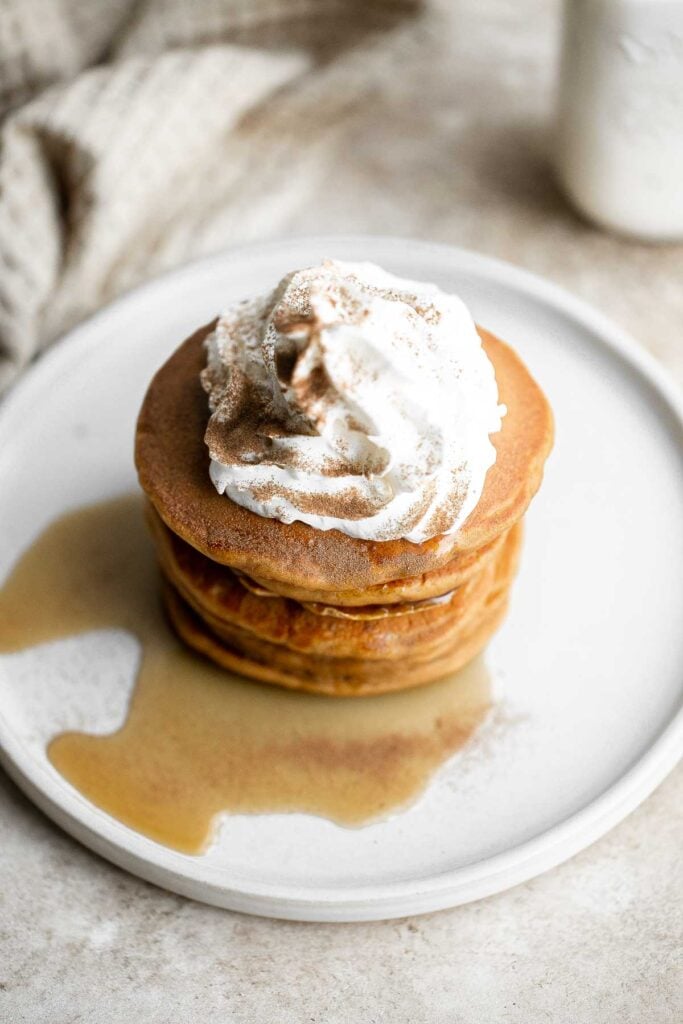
x: 456, y: 149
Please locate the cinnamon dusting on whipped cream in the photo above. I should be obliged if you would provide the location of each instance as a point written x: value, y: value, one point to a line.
x: 352, y: 400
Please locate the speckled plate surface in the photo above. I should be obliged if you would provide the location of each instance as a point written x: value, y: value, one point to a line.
x: 590, y: 660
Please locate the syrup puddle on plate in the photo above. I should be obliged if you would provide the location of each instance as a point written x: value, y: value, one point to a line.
x: 198, y: 740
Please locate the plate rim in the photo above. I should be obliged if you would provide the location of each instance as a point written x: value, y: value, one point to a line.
x: 369, y: 901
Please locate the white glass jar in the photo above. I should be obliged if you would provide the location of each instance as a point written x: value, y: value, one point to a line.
x: 620, y: 116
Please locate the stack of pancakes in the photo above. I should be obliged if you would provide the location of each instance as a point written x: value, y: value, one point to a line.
x: 319, y: 610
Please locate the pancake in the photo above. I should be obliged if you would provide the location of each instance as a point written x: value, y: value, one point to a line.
x: 173, y: 468
x: 395, y: 594
x: 339, y: 677
x: 219, y: 597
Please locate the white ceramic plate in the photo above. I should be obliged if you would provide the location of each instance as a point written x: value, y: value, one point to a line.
x: 590, y: 719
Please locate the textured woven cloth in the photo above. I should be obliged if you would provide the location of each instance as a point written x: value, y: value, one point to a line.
x: 137, y: 134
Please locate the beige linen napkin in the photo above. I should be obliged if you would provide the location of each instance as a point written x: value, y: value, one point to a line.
x: 135, y: 135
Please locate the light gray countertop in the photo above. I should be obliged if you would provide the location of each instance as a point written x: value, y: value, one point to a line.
x: 454, y: 150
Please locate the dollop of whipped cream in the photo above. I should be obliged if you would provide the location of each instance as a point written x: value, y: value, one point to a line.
x: 352, y: 400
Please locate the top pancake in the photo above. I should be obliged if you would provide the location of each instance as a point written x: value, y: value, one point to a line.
x: 173, y: 467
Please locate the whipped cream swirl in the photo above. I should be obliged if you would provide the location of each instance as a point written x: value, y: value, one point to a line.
x: 352, y: 400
